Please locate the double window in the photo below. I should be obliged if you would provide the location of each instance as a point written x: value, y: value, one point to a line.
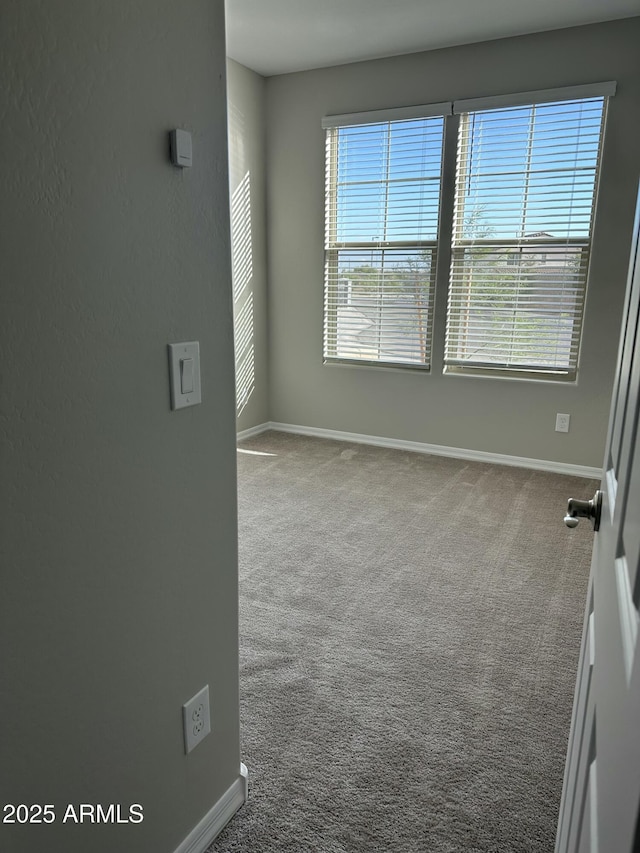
x: 517, y: 228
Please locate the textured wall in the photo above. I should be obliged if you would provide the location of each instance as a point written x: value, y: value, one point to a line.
x: 246, y: 93
x: 118, y: 516
x: 495, y: 415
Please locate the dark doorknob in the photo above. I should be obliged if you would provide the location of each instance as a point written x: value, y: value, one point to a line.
x: 584, y: 509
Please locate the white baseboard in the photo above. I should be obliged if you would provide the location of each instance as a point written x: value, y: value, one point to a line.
x: 256, y: 430
x: 434, y: 449
x: 218, y: 817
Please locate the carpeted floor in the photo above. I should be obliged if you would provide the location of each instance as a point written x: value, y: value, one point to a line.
x: 410, y: 629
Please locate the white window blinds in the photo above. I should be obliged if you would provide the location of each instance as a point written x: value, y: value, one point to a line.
x: 526, y: 179
x: 382, y: 203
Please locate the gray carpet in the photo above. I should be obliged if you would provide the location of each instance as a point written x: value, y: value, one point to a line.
x: 410, y: 629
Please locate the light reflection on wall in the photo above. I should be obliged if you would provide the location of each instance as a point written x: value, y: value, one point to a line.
x: 241, y: 255
x: 245, y: 355
x: 242, y: 274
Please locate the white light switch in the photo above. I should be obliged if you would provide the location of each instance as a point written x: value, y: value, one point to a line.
x: 180, y: 146
x: 184, y: 374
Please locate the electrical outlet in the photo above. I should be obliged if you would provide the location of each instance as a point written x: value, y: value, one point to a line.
x: 196, y: 719
x: 562, y: 422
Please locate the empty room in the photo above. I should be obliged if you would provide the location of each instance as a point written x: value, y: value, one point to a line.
x: 318, y: 426
x: 430, y: 258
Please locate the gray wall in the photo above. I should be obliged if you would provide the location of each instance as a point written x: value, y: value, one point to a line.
x: 118, y: 516
x: 503, y: 416
x: 246, y: 92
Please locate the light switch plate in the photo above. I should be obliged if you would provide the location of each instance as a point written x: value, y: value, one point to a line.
x: 181, y: 356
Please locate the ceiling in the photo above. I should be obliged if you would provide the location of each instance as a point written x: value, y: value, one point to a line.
x: 279, y: 36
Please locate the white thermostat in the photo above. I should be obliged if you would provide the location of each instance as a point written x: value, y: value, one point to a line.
x: 180, y: 146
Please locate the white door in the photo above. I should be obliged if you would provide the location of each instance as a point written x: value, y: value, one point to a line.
x: 599, y: 812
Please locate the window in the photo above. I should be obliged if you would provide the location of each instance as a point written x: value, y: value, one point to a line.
x: 383, y: 198
x: 524, y: 198
x: 526, y: 173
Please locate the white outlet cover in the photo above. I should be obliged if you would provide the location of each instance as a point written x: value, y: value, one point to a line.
x: 196, y: 719
x: 562, y: 422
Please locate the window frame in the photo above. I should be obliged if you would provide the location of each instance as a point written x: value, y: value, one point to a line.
x: 333, y: 247
x: 463, y: 262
